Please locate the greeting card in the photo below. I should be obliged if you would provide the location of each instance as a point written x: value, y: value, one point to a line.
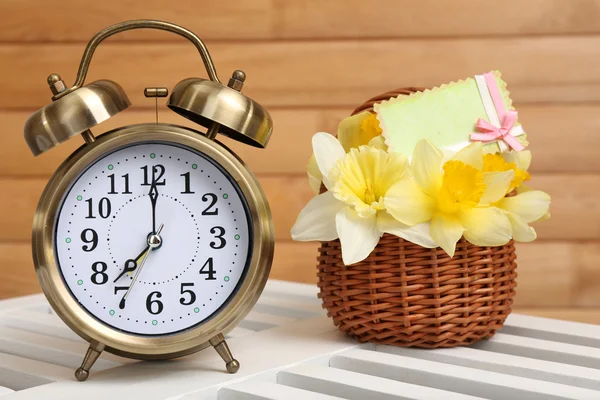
x: 454, y: 115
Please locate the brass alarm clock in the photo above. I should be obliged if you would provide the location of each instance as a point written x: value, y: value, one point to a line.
x: 151, y: 241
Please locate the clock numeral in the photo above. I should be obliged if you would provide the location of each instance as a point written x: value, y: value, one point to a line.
x: 186, y: 178
x: 112, y: 184
x: 210, y: 272
x: 117, y: 290
x: 104, y: 208
x: 91, y: 243
x: 184, y: 291
x: 218, y: 231
x: 99, y: 277
x: 120, y: 288
x: 151, y: 303
x: 158, y: 171
x: 213, y: 200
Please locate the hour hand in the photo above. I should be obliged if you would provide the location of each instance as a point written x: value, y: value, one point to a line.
x: 131, y: 265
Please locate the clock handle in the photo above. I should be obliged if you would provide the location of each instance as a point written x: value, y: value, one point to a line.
x: 140, y: 24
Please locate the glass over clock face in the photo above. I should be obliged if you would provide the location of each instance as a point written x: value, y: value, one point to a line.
x: 153, y: 238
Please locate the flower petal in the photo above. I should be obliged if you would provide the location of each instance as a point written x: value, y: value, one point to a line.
x: 358, y: 236
x: 426, y: 167
x: 531, y: 206
x: 378, y: 142
x: 315, y: 178
x: 316, y: 220
x: 486, y: 226
x: 522, y: 232
x: 408, y: 204
x: 497, y: 185
x: 446, y: 230
x: 471, y: 155
x: 524, y: 159
x: 327, y: 150
x: 350, y: 132
x: 418, y: 234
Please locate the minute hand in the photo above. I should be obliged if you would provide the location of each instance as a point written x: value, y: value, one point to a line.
x: 142, y: 261
x: 153, y: 194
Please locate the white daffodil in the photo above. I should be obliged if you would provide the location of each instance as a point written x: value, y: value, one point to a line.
x: 355, y: 131
x: 353, y: 208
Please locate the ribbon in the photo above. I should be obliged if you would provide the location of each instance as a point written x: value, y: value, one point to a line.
x: 501, y: 126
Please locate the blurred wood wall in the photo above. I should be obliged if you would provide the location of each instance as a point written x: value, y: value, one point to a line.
x: 311, y: 62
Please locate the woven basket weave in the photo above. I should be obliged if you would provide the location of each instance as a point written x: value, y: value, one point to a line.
x: 406, y: 295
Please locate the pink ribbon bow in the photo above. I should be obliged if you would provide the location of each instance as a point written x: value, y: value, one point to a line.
x: 507, y: 118
x: 491, y: 132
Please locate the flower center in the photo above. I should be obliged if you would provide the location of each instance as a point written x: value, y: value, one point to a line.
x: 370, y: 128
x: 462, y: 187
x: 363, y: 177
x: 370, y: 196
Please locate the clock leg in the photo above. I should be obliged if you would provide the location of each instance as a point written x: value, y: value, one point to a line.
x: 220, y: 345
x: 92, y: 354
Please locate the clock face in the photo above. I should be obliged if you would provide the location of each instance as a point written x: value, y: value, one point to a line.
x: 153, y: 238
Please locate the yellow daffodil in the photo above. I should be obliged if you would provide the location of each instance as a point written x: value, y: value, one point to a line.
x: 527, y: 205
x: 497, y: 163
x: 523, y: 209
x: 355, y: 131
x: 353, y: 208
x: 455, y: 197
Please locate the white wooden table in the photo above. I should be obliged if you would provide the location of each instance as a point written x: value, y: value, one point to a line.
x: 289, y: 349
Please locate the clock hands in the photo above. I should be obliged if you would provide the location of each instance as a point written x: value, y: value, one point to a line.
x: 131, y: 264
x: 154, y: 241
x: 153, y: 194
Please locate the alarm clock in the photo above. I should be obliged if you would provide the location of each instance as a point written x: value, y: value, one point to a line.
x: 151, y: 241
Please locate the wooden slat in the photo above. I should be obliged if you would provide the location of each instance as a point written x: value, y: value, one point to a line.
x: 287, y: 152
x: 588, y: 315
x: 320, y: 73
x: 276, y: 19
x: 566, y: 353
x: 575, y: 211
x: 290, y: 144
x: 506, y: 364
x: 268, y: 391
x: 549, y: 273
x: 338, y: 382
x: 17, y: 268
x: 553, y: 330
x: 471, y: 381
x: 21, y: 373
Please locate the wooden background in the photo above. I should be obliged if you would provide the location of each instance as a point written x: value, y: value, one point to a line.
x: 310, y: 62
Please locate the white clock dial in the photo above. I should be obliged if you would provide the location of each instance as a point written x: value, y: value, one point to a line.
x: 105, y: 220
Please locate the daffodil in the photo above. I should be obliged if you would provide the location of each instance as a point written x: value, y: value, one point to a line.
x: 507, y: 162
x: 455, y: 197
x: 355, y: 131
x: 527, y: 205
x: 353, y: 208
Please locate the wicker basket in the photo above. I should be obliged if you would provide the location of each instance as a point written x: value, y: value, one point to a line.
x: 406, y: 295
